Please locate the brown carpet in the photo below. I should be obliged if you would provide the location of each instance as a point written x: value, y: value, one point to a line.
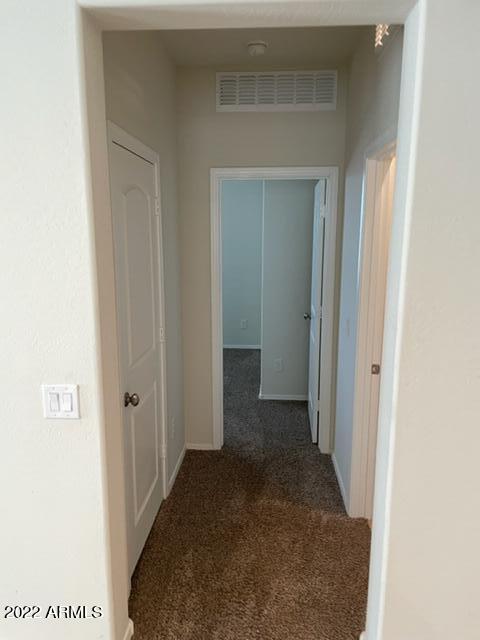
x: 253, y: 542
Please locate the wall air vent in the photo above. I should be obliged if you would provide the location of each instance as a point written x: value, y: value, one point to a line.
x: 277, y: 91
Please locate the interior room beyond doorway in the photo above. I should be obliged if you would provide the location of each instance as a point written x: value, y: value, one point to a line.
x: 270, y: 228
x: 267, y: 229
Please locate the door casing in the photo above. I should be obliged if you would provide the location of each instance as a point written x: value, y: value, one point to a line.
x: 328, y: 363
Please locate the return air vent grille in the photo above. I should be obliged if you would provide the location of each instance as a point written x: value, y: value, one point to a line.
x: 277, y: 91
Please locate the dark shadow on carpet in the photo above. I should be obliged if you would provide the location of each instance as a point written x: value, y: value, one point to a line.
x: 253, y: 542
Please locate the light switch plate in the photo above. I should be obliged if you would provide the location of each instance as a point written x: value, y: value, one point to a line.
x: 60, y: 401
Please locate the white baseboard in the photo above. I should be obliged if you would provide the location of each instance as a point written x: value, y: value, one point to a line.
x: 270, y: 396
x: 200, y: 446
x: 242, y: 346
x: 173, y: 477
x: 129, y: 631
x: 340, y: 481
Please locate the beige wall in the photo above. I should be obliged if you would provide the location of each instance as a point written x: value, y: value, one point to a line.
x: 57, y: 545
x: 108, y: 350
x: 425, y: 548
x: 208, y: 139
x: 140, y: 98
x: 55, y: 538
x: 372, y: 115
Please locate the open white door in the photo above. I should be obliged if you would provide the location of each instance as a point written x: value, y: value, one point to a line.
x: 376, y: 230
x: 315, y: 315
x: 377, y: 292
x: 137, y: 275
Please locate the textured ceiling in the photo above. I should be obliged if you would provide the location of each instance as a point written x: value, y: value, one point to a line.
x: 208, y: 14
x: 286, y: 47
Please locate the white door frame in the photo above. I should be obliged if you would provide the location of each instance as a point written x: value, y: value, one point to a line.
x: 119, y: 136
x: 373, y: 262
x: 217, y: 175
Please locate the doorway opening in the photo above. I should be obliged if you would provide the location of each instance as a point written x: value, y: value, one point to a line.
x: 206, y: 524
x: 273, y: 257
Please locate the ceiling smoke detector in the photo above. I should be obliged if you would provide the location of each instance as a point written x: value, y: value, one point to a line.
x: 257, y: 48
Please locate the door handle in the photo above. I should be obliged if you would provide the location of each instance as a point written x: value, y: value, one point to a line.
x: 133, y: 399
x: 307, y: 316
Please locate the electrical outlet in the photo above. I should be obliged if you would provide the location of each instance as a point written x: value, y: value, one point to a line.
x: 172, y: 428
x: 278, y: 365
x: 243, y: 324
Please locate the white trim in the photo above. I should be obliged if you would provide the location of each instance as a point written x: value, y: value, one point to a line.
x: 271, y: 396
x: 374, y: 238
x: 119, y: 136
x: 262, y: 278
x: 200, y: 446
x: 216, y: 309
x: 242, y: 346
x: 129, y: 630
x: 340, y: 482
x: 162, y: 322
x: 272, y: 173
x: 174, y: 475
x: 330, y: 174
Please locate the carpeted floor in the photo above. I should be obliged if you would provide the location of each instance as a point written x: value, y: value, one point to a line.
x: 253, y: 542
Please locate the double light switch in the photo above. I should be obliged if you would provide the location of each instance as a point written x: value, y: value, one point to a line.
x: 60, y: 401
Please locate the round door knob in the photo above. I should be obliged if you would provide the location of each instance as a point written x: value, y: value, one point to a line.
x: 307, y: 316
x: 131, y: 399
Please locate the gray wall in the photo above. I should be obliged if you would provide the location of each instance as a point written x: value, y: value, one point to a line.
x: 242, y: 211
x: 140, y: 97
x: 209, y: 139
x: 372, y: 112
x: 287, y: 270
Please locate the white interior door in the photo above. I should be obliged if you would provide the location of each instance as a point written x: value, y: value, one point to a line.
x: 137, y: 275
x: 315, y: 313
x: 385, y: 185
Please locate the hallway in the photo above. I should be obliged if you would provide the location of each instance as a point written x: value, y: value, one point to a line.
x: 253, y: 541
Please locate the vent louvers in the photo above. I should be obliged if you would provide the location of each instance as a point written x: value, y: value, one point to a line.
x: 247, y: 90
x: 277, y: 91
x: 265, y: 89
